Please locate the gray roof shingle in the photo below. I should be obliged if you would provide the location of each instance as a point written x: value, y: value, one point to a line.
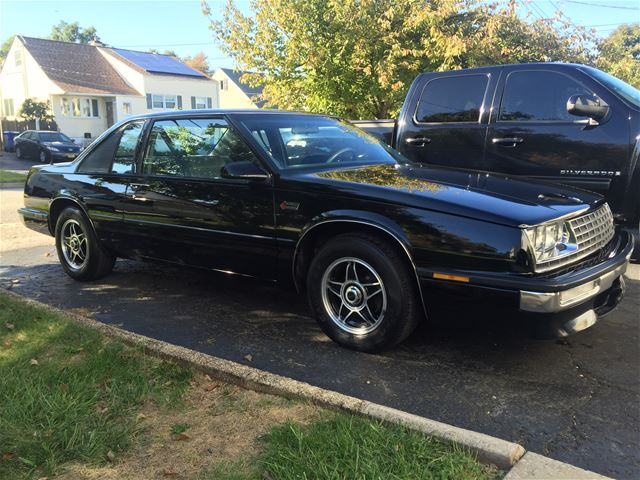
x: 76, y: 67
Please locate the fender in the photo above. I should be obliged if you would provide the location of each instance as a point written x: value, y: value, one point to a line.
x: 360, y: 217
x: 68, y: 196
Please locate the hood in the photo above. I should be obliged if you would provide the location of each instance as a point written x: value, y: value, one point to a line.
x: 65, y: 145
x: 481, y: 195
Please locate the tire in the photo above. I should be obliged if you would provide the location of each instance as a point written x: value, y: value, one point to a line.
x: 19, y: 153
x: 45, y: 157
x: 81, y: 256
x: 348, y: 307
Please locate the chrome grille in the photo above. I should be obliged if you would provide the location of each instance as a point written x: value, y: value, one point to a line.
x: 593, y: 231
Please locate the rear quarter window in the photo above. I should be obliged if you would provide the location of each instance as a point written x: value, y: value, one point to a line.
x: 452, y: 99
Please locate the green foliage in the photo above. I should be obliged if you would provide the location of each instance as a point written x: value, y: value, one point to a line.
x: 620, y: 54
x: 33, y: 110
x: 72, y: 32
x: 357, y: 59
x: 4, y: 49
x: 68, y: 394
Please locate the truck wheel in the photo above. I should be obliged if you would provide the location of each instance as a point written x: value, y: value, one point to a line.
x: 80, y: 253
x: 362, y: 293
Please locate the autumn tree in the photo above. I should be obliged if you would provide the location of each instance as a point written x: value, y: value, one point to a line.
x: 198, y: 62
x: 357, y: 58
x: 619, y: 54
x: 72, y: 32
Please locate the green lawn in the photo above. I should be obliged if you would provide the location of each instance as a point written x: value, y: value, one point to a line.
x: 12, y: 177
x: 74, y: 402
x: 70, y: 394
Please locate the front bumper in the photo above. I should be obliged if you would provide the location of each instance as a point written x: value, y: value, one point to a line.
x: 571, y: 301
x: 64, y: 156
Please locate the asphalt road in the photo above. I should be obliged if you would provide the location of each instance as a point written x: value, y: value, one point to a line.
x: 576, y: 400
x: 9, y: 161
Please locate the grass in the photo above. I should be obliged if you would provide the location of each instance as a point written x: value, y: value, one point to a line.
x: 69, y: 394
x: 12, y: 177
x: 345, y: 446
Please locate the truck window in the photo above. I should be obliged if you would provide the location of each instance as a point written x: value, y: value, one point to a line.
x: 531, y: 96
x: 452, y: 99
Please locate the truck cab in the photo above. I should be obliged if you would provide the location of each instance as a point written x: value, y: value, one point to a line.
x: 563, y: 123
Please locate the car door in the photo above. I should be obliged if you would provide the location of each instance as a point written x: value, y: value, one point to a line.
x: 532, y: 134
x: 101, y: 180
x: 182, y: 210
x: 29, y: 144
x: 449, y: 124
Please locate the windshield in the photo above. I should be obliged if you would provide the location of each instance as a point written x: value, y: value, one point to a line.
x: 626, y: 91
x: 53, y: 137
x: 296, y: 141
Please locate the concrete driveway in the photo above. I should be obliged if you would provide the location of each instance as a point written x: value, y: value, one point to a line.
x: 576, y: 400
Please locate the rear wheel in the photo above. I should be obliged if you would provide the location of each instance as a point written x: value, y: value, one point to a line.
x: 362, y: 293
x: 79, y: 251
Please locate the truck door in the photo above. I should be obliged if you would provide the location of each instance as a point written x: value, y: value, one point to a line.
x: 448, y: 124
x: 532, y: 134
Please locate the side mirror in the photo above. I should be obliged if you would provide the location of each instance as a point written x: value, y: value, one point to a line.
x: 245, y: 169
x: 586, y: 106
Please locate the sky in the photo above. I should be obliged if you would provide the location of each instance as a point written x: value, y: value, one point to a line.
x: 179, y: 25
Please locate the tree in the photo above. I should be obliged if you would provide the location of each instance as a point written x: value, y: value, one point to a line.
x: 357, y: 58
x: 619, y: 54
x: 32, y: 110
x: 4, y: 49
x: 72, y: 32
x: 198, y: 62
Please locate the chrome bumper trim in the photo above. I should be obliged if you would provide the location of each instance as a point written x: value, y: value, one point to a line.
x: 540, y: 302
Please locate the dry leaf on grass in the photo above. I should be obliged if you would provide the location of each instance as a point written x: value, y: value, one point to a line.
x: 9, y: 326
x: 111, y: 456
x: 8, y: 456
x: 180, y: 437
x: 167, y: 472
x: 34, y: 362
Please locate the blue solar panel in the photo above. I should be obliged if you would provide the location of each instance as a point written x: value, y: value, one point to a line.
x: 156, y: 63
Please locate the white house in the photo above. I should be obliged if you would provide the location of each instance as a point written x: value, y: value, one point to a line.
x: 233, y: 92
x: 90, y: 87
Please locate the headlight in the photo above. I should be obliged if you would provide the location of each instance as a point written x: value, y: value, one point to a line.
x: 53, y: 149
x: 551, y: 241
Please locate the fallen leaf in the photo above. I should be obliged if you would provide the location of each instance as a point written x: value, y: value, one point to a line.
x: 169, y: 473
x: 207, y: 377
x: 47, y: 254
x: 10, y: 326
x: 43, y: 478
x: 8, y: 344
x: 8, y: 456
x: 141, y: 416
x: 111, y: 456
x: 34, y: 362
x: 180, y: 437
x: 248, y: 358
x: 211, y: 386
x: 101, y: 407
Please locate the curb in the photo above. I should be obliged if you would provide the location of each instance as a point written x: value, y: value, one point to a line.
x: 508, y: 456
x: 488, y: 449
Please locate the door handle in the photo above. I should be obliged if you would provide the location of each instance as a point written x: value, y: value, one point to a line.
x: 209, y: 203
x: 139, y: 185
x: 418, y: 141
x: 507, y: 141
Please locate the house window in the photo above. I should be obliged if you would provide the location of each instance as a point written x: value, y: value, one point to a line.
x: 223, y: 84
x: 79, y: 107
x: 201, y: 102
x: 8, y: 107
x: 164, y: 101
x: 18, y: 58
x: 126, y: 108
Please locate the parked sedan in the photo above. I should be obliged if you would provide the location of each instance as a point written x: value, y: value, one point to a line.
x: 312, y: 201
x: 46, y: 146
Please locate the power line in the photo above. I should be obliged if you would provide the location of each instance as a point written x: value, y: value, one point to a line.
x: 603, y: 5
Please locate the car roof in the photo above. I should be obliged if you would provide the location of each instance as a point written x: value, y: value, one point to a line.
x: 219, y: 111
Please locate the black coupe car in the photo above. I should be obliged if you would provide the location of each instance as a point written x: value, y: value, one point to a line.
x: 374, y: 240
x: 46, y: 146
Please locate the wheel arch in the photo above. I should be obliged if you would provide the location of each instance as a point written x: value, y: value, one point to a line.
x: 58, y: 204
x: 330, y: 224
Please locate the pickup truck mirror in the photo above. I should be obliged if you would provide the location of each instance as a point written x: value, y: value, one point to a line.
x: 587, y: 106
x: 244, y: 169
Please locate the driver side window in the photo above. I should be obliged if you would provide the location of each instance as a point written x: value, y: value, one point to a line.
x: 195, y: 148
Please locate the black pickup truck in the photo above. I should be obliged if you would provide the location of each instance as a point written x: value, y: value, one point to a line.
x: 564, y: 123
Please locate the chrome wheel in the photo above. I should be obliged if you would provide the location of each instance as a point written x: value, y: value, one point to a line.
x: 74, y: 244
x: 354, y: 295
x: 43, y: 157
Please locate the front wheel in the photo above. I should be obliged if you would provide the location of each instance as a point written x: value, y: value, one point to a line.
x: 79, y: 251
x: 19, y: 153
x: 45, y: 157
x: 362, y: 292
